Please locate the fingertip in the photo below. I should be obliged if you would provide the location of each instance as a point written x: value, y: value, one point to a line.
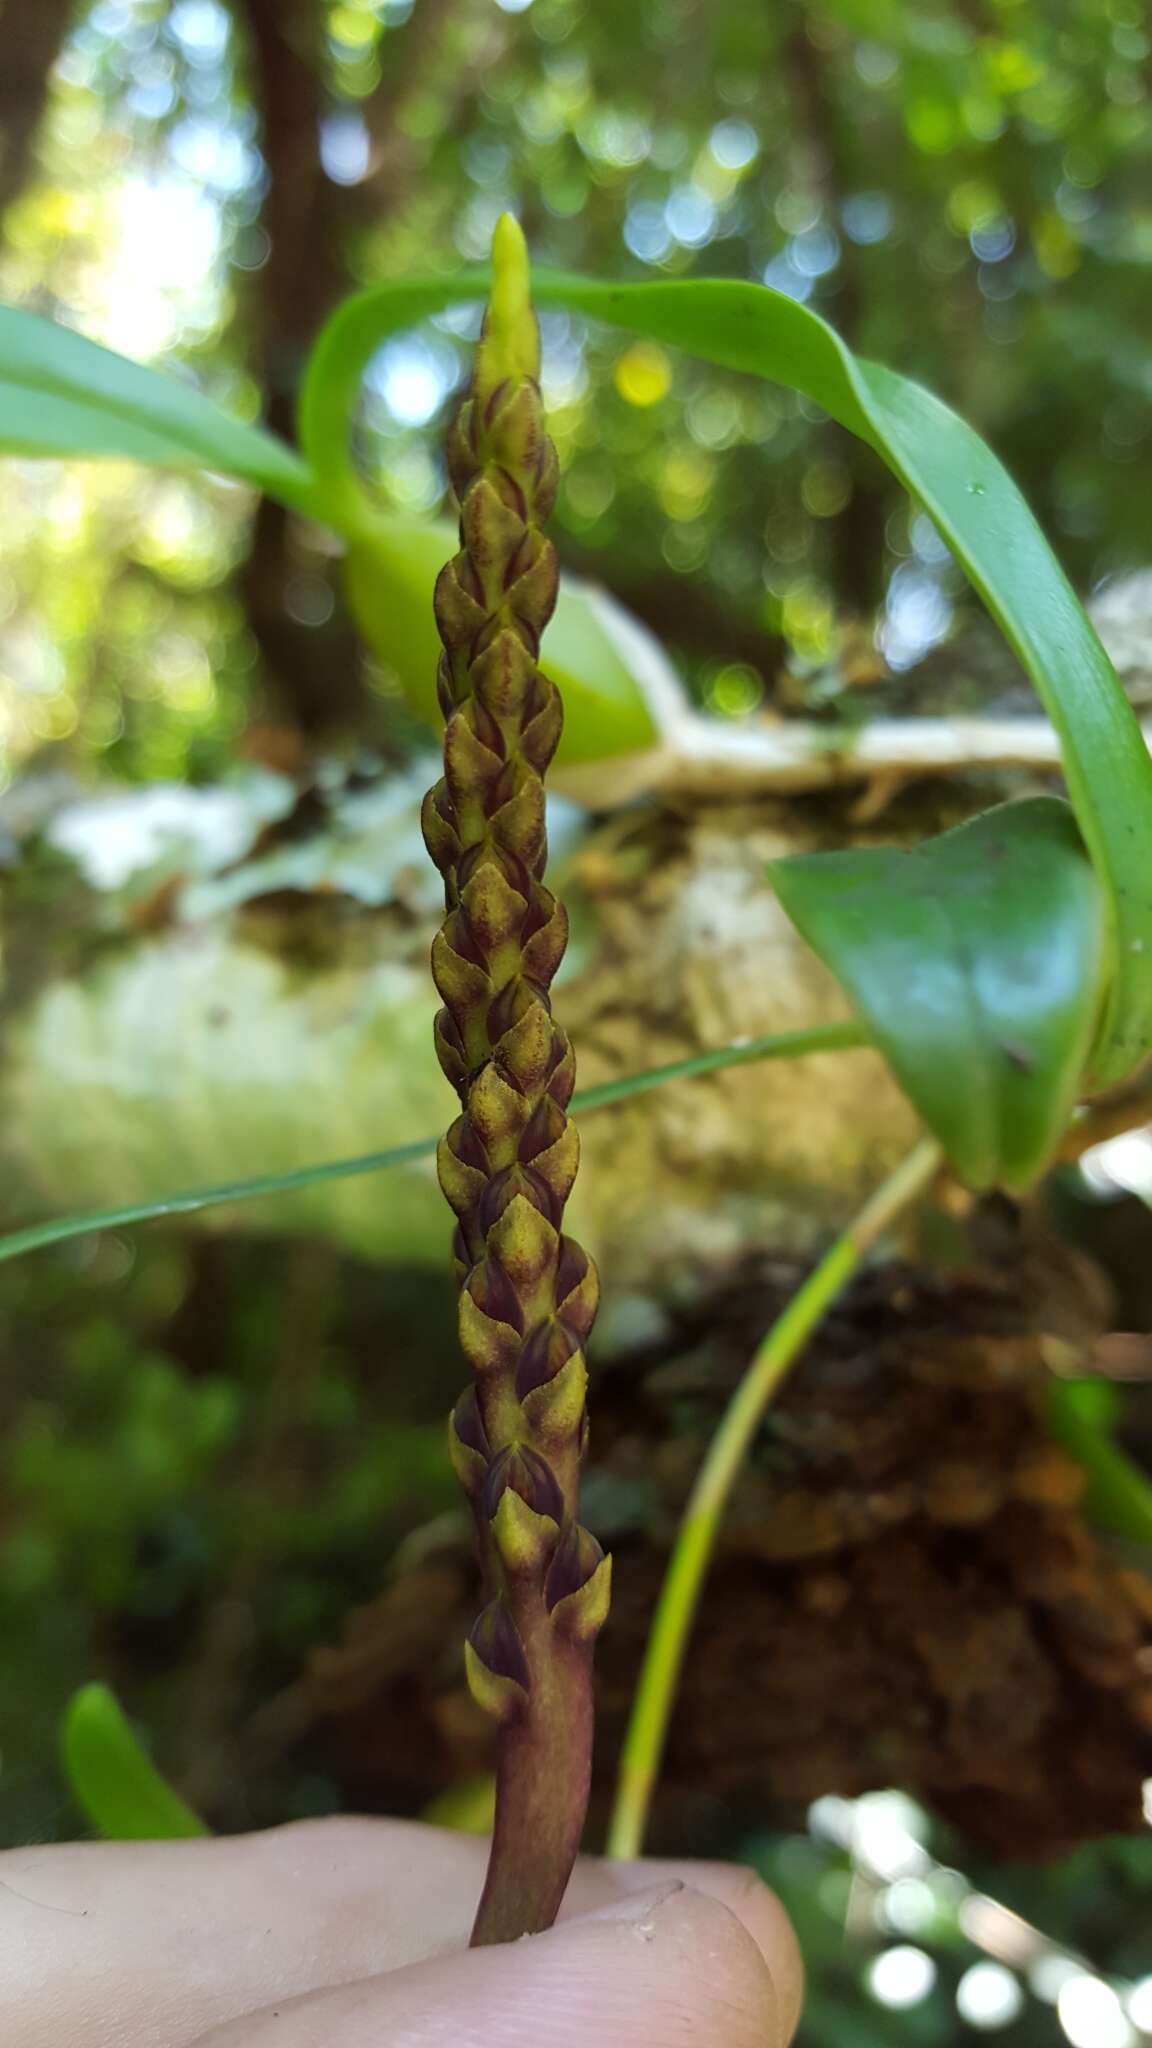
x: 758, y: 1908
x: 721, y: 1956
x: 675, y: 1968
x: 755, y: 1905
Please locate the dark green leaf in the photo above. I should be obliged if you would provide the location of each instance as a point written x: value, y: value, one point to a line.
x: 977, y: 961
x: 116, y: 1784
x: 61, y: 394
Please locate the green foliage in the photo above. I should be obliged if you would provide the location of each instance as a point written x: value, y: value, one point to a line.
x: 388, y: 578
x: 61, y: 394
x: 994, y: 536
x: 195, y: 1433
x: 962, y: 197
x: 1082, y: 1415
x: 976, y: 959
x: 1105, y: 1011
x: 113, y: 1780
x: 848, y: 1913
x: 976, y: 507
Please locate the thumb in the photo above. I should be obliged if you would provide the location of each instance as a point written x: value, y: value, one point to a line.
x: 672, y: 1969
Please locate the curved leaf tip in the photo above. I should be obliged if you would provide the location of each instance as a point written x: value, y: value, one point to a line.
x: 114, y: 1782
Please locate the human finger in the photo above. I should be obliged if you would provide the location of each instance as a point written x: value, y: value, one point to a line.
x: 673, y: 1969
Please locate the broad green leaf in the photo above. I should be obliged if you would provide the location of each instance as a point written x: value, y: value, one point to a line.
x: 781, y: 1045
x: 946, y: 467
x: 63, y: 395
x: 390, y: 575
x: 113, y: 1780
x: 977, y: 960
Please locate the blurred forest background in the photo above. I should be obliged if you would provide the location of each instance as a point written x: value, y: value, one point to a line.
x: 214, y: 1444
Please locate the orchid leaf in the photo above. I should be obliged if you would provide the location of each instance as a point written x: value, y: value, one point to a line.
x: 953, y: 475
x: 838, y: 1037
x: 1082, y: 1416
x: 976, y: 960
x: 63, y: 395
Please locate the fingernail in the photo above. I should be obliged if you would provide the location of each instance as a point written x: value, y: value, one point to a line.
x: 639, y: 1908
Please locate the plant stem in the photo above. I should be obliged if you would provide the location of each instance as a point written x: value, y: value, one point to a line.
x: 543, y: 1774
x: 696, y: 1538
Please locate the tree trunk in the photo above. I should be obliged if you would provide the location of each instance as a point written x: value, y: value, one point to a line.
x: 311, y: 655
x: 31, y: 33
x: 309, y: 651
x: 857, y: 537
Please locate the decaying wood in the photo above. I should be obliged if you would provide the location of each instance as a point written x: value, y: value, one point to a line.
x: 907, y: 1590
x: 692, y: 949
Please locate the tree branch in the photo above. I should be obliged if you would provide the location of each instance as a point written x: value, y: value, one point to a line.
x: 700, y: 757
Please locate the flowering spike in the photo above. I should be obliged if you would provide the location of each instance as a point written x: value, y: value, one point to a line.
x: 528, y: 1293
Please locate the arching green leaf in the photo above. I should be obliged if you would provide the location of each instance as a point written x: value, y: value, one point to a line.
x: 951, y: 472
x: 113, y: 1780
x: 61, y: 394
x: 976, y: 960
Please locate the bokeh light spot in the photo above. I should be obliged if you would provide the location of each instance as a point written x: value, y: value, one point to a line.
x: 735, y: 690
x: 643, y: 375
x: 901, y: 1977
x: 1091, y: 2014
x: 989, y: 1996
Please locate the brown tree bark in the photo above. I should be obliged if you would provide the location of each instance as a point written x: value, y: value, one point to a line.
x: 31, y: 33
x: 311, y: 670
x: 857, y: 535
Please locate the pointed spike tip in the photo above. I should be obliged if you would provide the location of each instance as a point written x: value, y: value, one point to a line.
x: 511, y: 345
